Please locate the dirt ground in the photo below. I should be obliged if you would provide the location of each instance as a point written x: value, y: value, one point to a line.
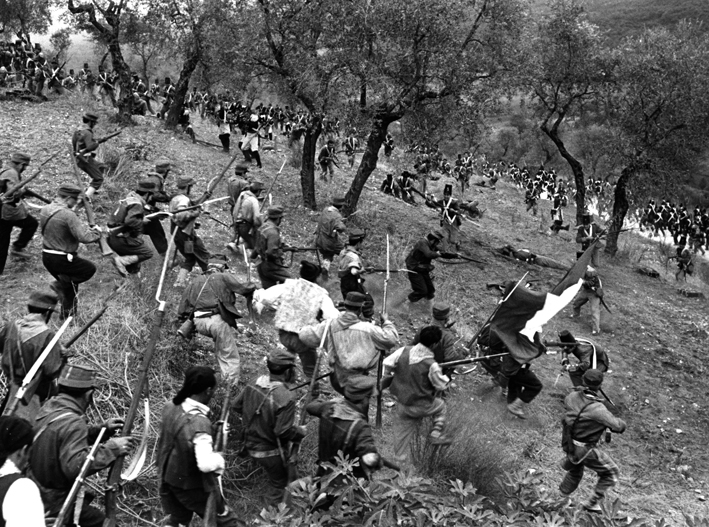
x: 656, y: 338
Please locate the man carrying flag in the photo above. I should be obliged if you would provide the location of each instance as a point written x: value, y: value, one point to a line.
x: 516, y: 326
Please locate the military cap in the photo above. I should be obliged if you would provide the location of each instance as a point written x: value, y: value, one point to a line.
x: 42, y: 300
x: 281, y: 358
x: 368, y: 308
x: 356, y: 235
x: 162, y: 165
x: 309, y: 271
x: 338, y: 202
x: 359, y: 388
x: 69, y: 190
x: 355, y: 299
x: 436, y: 233
x: 587, y: 212
x: 566, y: 336
x: 441, y: 310
x: 19, y: 157
x: 78, y: 376
x: 146, y: 185
x: 184, y: 181
x: 241, y: 168
x: 90, y: 117
x: 86, y: 65
x: 15, y: 433
x: 593, y: 378
x: 256, y: 186
x: 275, y: 212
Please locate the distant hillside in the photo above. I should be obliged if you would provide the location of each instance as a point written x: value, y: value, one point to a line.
x: 622, y: 18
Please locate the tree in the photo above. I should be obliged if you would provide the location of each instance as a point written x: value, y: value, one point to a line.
x: 146, y: 38
x: 442, y: 57
x: 565, y: 69
x: 61, y: 42
x: 103, y: 19
x: 658, y: 112
x: 23, y: 17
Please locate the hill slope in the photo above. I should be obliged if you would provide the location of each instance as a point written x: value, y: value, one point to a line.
x: 656, y: 339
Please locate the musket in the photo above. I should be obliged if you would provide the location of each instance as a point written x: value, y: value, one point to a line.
x: 270, y: 188
x: 202, y: 204
x: 29, y: 376
x: 9, y: 192
x: 468, y: 258
x: 293, y: 454
x: 114, y: 476
x: 371, y: 270
x: 32, y: 194
x: 307, y: 383
x: 79, y: 481
x: 84, y: 151
x: 497, y: 308
x: 56, y: 72
x: 215, y: 501
x: 380, y: 366
x: 105, y: 249
x: 220, y: 222
x: 470, y: 360
x: 249, y: 299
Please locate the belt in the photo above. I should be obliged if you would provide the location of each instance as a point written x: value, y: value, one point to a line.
x: 260, y: 454
x: 204, y: 313
x: 584, y: 445
x: 52, y: 251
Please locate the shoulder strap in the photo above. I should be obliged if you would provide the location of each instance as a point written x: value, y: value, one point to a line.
x: 350, y: 432
x: 189, y: 417
x: 44, y: 226
x: 42, y: 430
x: 573, y: 425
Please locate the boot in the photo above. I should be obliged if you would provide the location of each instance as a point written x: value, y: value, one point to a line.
x: 516, y: 408
x: 257, y: 157
x: 593, y: 504
x: 121, y: 262
x: 182, y: 278
x: 89, y: 192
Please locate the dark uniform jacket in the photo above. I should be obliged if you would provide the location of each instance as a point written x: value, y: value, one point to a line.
x: 330, y: 226
x: 421, y: 256
x: 218, y: 296
x: 62, y: 230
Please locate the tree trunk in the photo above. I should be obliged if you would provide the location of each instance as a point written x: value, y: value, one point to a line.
x: 620, y: 209
x: 377, y: 133
x: 307, y: 166
x: 125, y: 101
x: 576, y: 169
x: 181, y: 88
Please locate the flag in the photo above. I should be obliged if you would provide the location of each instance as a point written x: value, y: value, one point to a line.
x: 522, y: 314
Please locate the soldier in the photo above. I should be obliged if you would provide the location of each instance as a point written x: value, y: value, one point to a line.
x: 125, y: 225
x: 267, y: 407
x: 190, y: 246
x: 344, y: 427
x: 587, y: 232
x: 328, y: 236
x: 62, y: 232
x: 63, y: 440
x: 300, y: 302
x: 589, y: 353
x: 21, y: 344
x: 13, y: 212
x: 351, y: 265
x: 415, y: 379
x: 584, y: 424
x: 419, y: 262
x: 209, y: 302
x: 327, y: 159
x: 153, y: 226
x: 354, y: 344
x: 20, y: 502
x: 591, y: 292
x: 351, y: 145
x: 186, y: 451
x: 85, y: 145
x: 247, y: 216
x: 685, y: 263
x: 168, y: 94
x: 249, y: 144
x: 272, y: 269
x: 238, y: 183
x: 445, y: 350
x: 388, y: 145
x: 105, y: 87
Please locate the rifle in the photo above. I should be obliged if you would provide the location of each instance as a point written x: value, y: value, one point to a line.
x: 380, y: 367
x: 370, y: 270
x: 96, y: 316
x: 56, y: 72
x: 84, y: 151
x: 249, y: 299
x: 105, y: 249
x: 215, y: 501
x: 9, y: 192
x: 294, y: 447
x: 29, y: 376
x: 202, y: 204
x: 307, y: 383
x: 275, y: 178
x: 114, y: 475
x: 32, y: 194
x: 293, y: 250
x: 79, y: 481
x: 470, y: 360
x: 468, y: 258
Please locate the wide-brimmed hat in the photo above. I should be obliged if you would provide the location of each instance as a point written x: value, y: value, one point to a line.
x: 42, y: 300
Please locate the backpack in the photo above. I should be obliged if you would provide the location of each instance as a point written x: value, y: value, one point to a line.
x: 567, y: 432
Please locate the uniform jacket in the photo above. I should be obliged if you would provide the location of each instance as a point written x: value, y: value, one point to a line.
x: 590, y: 355
x: 330, y: 227
x: 352, y: 343
x: 247, y: 210
x: 342, y: 427
x: 444, y: 350
x: 84, y: 140
x: 268, y: 245
x: 62, y: 230
x: 182, y: 219
x: 349, y: 258
x: 15, y: 210
x: 32, y: 335
x: 132, y: 223
x: 417, y: 375
x: 421, y: 256
x: 268, y: 415
x: 219, y: 295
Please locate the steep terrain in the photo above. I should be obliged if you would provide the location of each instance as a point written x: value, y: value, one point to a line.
x: 656, y: 338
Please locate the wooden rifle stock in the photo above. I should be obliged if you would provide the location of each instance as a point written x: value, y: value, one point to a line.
x: 9, y: 192
x: 215, y: 501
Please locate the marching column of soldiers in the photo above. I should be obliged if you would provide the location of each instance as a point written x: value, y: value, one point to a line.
x: 51, y: 405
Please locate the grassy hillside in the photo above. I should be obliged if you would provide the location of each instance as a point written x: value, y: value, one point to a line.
x: 656, y: 338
